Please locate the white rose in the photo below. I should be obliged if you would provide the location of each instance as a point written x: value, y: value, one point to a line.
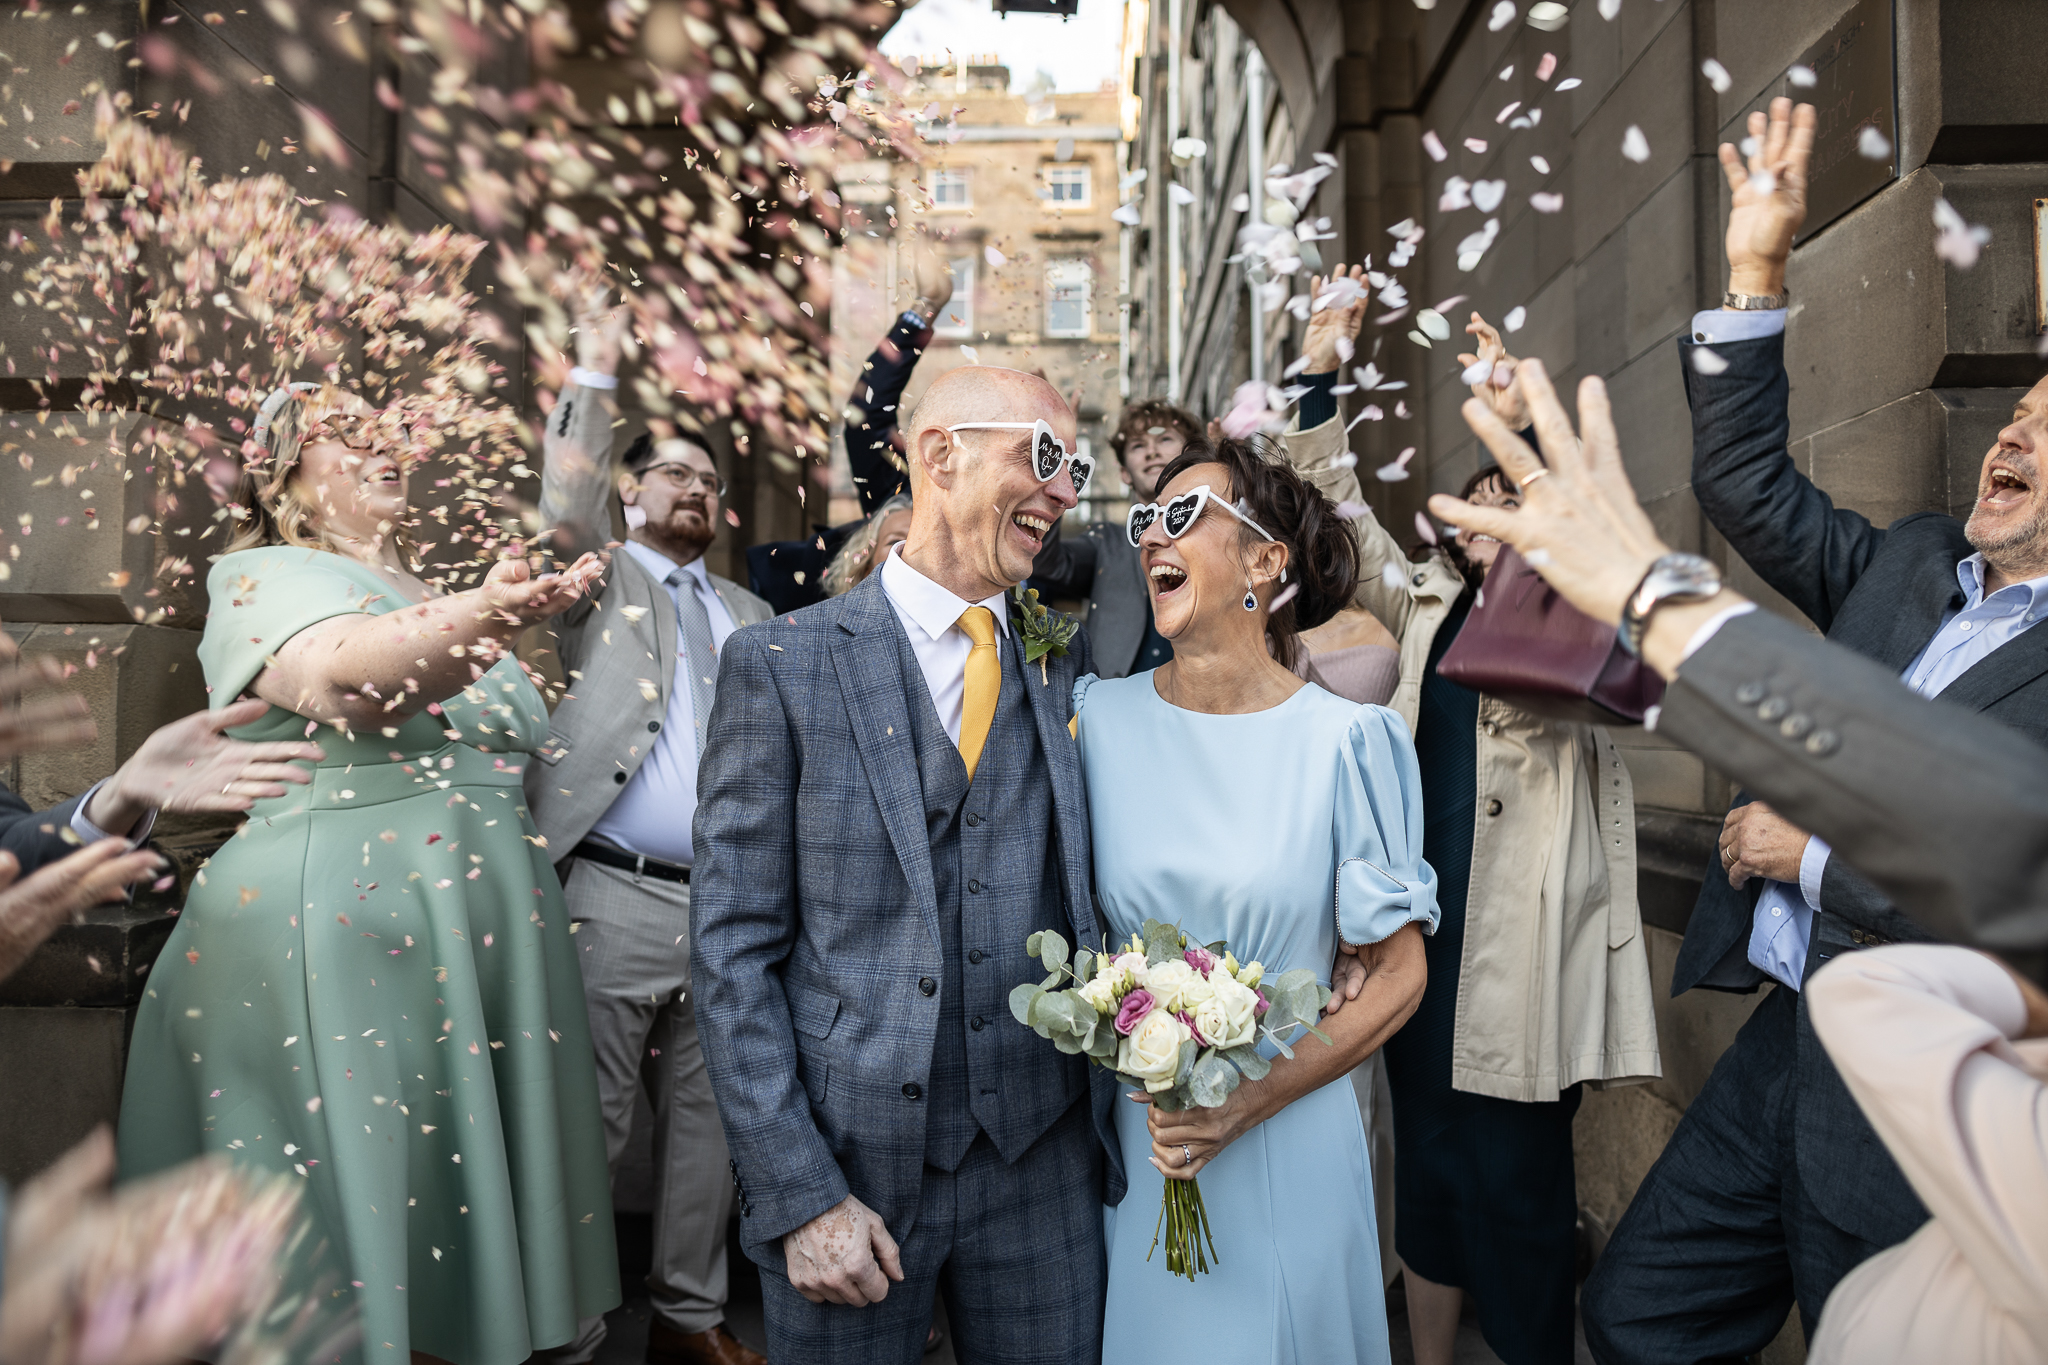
x: 1101, y: 994
x: 1196, y: 993
x: 1236, y: 1006
x: 1152, y: 1051
x: 1131, y: 963
x: 1166, y: 980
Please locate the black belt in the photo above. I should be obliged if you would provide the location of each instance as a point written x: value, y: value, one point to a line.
x: 637, y: 864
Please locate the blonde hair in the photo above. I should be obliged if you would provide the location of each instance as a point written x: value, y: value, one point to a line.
x: 855, y: 559
x: 269, y: 506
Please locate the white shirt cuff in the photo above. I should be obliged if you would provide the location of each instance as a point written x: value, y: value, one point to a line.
x: 1737, y: 324
x: 591, y: 379
x: 91, y: 833
x: 1812, y: 864
x: 1713, y: 624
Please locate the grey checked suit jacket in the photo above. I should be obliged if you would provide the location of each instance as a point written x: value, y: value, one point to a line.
x: 601, y: 731
x: 814, y: 914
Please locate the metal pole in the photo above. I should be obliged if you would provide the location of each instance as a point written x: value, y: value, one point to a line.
x: 1123, y: 281
x: 1255, y: 195
x: 1173, y: 246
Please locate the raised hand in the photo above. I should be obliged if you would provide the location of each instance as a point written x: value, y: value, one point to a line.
x: 1336, y: 322
x: 1770, y: 196
x: 844, y: 1255
x: 32, y: 909
x: 932, y: 274
x: 30, y: 721
x: 1498, y: 389
x: 513, y: 589
x: 599, y: 325
x: 191, y: 765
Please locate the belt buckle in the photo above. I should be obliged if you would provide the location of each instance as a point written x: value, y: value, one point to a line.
x: 639, y: 867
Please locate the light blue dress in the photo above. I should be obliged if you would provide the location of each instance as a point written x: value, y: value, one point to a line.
x: 1265, y: 830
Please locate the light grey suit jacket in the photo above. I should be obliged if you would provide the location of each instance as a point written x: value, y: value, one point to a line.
x: 617, y: 646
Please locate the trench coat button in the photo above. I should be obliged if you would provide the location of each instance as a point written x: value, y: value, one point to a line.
x: 1796, y: 725
x: 1773, y: 708
x: 1493, y: 806
x: 619, y: 778
x: 1491, y: 728
x: 1821, y: 743
x: 927, y: 986
x: 976, y: 956
x: 1749, y: 694
x: 1417, y: 580
x: 978, y: 1024
x: 912, y: 1090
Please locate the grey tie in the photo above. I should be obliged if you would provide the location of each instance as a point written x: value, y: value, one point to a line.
x: 699, y: 663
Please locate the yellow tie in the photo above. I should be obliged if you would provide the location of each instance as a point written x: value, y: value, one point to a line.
x: 984, y: 681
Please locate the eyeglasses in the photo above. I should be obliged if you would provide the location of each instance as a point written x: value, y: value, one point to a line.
x: 1179, y: 514
x: 686, y: 478
x: 1048, y: 451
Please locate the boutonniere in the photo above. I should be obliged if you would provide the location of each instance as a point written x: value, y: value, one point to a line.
x: 1042, y: 630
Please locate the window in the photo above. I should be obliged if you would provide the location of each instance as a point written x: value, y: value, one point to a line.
x: 950, y: 191
x: 1069, y: 301
x: 1066, y: 187
x: 956, y: 319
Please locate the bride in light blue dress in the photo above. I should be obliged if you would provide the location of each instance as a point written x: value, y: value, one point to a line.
x: 1231, y: 798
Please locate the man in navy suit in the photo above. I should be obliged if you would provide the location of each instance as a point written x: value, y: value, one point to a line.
x: 1774, y: 1185
x: 885, y: 814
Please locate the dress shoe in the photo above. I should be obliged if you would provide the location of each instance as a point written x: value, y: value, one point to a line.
x: 716, y: 1346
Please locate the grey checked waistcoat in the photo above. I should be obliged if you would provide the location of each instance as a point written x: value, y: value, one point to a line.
x: 995, y: 868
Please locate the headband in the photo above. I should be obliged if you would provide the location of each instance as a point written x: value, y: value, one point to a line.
x: 273, y: 405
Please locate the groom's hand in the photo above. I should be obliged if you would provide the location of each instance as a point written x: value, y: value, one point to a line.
x: 842, y: 1256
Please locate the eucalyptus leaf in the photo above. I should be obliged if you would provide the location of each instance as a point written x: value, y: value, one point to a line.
x: 1318, y: 1033
x: 1084, y: 962
x: 1031, y: 943
x: 1104, y: 1043
x: 1052, y: 949
x: 1188, y: 1052
x: 1067, y: 1043
x: 1247, y: 1060
x: 1211, y: 1082
x: 1162, y: 942
x: 1022, y: 998
x: 1281, y: 1043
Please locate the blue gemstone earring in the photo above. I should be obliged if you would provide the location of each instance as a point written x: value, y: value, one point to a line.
x: 1251, y: 599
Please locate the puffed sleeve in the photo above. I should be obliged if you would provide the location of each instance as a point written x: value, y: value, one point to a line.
x: 1382, y: 881
x: 258, y: 599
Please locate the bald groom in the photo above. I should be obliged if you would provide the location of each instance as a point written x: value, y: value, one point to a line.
x: 889, y: 804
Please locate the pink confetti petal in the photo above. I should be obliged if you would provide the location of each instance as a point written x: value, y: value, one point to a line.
x: 1545, y: 67
x: 1434, y: 145
x: 1425, y: 530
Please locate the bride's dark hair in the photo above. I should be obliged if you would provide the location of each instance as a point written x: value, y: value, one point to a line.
x: 1322, y: 551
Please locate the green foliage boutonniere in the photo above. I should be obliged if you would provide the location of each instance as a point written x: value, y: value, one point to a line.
x: 1042, y: 630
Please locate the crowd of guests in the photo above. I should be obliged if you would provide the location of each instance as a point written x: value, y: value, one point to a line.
x: 771, y: 861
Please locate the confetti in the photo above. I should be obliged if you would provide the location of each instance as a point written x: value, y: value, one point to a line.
x: 1457, y: 195
x: 1476, y: 144
x: 1397, y: 470
x: 1425, y: 530
x: 1609, y: 9
x: 1434, y: 145
x: 1570, y: 83
x: 1391, y: 575
x: 1503, y: 15
x: 1544, y: 202
x: 1541, y: 166
x: 1515, y: 318
x: 1957, y: 242
x: 1708, y: 362
x: 1487, y: 194
x: 1801, y: 76
x: 1548, y: 16
x: 1478, y: 372
x: 1873, y: 145
x: 1547, y: 67
x: 1717, y: 75
x: 1634, y: 145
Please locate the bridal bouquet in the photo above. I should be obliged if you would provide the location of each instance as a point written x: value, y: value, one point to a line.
x: 1183, y: 1022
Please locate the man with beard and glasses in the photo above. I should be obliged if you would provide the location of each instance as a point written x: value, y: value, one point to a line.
x: 615, y: 796
x: 1774, y: 1185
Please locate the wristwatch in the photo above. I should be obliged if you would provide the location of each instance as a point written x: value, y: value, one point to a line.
x: 1676, y: 577
x: 1755, y: 303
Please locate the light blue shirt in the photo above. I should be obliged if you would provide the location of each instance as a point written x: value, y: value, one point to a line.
x: 656, y: 808
x: 1783, y: 927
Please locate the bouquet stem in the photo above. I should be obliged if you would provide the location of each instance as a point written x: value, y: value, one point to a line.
x: 1185, y: 1221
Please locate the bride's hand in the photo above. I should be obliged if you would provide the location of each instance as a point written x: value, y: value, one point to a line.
x: 1185, y: 1141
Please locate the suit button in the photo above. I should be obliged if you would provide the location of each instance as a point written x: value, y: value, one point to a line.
x: 978, y: 1023
x: 1493, y: 806
x: 1749, y: 694
x: 926, y: 986
x: 653, y: 727
x: 1795, y: 725
x: 1821, y: 743
x: 974, y: 888
x: 976, y: 956
x: 619, y: 778
x: 912, y: 1090
x: 1773, y: 708
x: 973, y: 820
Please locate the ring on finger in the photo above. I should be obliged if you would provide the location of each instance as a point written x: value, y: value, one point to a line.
x: 1532, y: 476
x: 1187, y: 1158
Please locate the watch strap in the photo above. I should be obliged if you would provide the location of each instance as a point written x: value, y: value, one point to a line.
x: 1687, y: 578
x: 1755, y: 303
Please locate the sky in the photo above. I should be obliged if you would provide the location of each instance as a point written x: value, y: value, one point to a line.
x: 1079, y: 53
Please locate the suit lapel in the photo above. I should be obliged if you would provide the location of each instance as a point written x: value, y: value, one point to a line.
x: 1051, y: 707
x: 652, y: 595
x: 868, y: 658
x: 2012, y: 665
x: 1892, y: 625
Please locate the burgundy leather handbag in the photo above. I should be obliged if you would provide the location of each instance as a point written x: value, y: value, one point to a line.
x: 1522, y: 642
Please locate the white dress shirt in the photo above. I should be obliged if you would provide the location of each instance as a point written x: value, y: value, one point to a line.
x: 931, y: 618
x: 656, y: 808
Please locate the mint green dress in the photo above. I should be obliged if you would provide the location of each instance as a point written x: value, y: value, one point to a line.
x: 373, y: 988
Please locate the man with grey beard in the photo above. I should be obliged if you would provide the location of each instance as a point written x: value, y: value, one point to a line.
x: 1774, y: 1185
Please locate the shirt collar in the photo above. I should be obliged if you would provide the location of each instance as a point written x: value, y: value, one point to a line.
x: 1970, y: 574
x: 935, y: 609
x: 663, y: 568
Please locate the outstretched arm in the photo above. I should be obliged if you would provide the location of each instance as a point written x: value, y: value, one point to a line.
x: 873, y: 408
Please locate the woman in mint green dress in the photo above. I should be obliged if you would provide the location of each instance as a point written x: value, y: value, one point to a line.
x: 372, y: 984
x: 1230, y: 797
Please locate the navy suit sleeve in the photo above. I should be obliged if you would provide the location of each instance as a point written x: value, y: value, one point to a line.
x: 35, y: 838
x: 1064, y: 568
x: 872, y: 410
x: 743, y: 926
x: 1785, y: 528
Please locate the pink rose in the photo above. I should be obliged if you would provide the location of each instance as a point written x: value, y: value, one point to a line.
x: 1201, y: 959
x: 1132, y: 1012
x: 1189, y: 1020
x: 1264, y: 1003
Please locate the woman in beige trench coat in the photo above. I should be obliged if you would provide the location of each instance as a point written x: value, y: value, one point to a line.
x: 1539, y: 983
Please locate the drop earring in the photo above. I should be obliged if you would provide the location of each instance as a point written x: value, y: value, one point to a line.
x: 1251, y: 599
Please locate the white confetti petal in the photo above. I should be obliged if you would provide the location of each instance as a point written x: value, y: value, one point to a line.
x: 1515, y: 318
x: 1717, y: 75
x: 1507, y: 71
x: 1546, y: 203
x: 1424, y: 529
x: 1180, y: 194
x: 1434, y: 145
x: 1390, y: 574
x: 1708, y: 362
x: 1609, y: 8
x: 1476, y: 144
x: 1569, y: 83
x: 1801, y: 76
x: 970, y: 355
x: 1542, y: 166
x: 1503, y: 15
x: 994, y: 257
x: 1548, y: 16
x: 1634, y: 145
x: 1873, y: 145
x: 1487, y: 194
x: 1129, y: 215
x: 1434, y: 324
x: 1478, y: 372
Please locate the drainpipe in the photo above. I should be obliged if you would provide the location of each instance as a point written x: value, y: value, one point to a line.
x: 1255, y: 194
x: 1173, y: 248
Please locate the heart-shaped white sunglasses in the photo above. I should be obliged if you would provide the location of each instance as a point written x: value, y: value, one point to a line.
x: 1048, y: 451
x: 1179, y: 514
